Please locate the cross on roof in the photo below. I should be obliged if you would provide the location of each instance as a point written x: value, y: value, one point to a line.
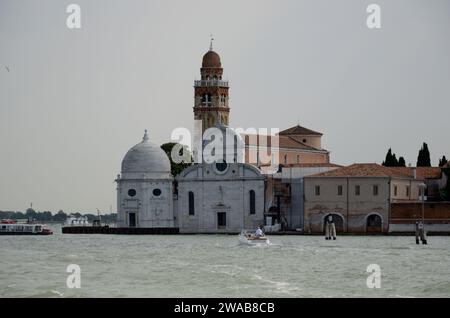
x: 211, y: 42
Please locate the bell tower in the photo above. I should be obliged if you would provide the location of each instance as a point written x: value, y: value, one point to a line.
x: 211, y: 93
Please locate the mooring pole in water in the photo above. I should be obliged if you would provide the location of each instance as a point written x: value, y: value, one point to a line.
x: 420, y: 227
x: 330, y: 228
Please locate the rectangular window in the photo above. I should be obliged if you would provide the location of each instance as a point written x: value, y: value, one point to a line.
x: 191, y: 203
x: 252, y: 202
x: 339, y: 190
x: 317, y: 190
x: 395, y: 190
x: 375, y: 189
x: 357, y: 190
x: 407, y: 191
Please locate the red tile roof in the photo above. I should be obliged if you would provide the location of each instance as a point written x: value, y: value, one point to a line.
x: 299, y: 130
x: 421, y: 172
x: 364, y: 170
x: 311, y: 165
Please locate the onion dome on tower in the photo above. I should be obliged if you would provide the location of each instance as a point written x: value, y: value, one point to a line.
x: 211, y: 93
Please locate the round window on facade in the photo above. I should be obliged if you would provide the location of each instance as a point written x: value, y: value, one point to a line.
x: 221, y: 167
x: 157, y: 192
x: 131, y: 192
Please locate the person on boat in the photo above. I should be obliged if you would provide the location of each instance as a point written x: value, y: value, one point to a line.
x: 259, y: 232
x: 330, y: 228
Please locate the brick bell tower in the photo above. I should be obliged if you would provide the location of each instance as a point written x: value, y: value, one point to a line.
x: 211, y: 93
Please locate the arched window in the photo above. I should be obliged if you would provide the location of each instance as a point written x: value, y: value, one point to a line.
x: 206, y: 100
x: 252, y: 202
x: 191, y: 203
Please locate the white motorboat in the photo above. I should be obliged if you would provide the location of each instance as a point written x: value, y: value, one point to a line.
x: 249, y: 238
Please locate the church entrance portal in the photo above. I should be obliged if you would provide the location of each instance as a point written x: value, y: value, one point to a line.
x: 132, y: 219
x: 221, y: 220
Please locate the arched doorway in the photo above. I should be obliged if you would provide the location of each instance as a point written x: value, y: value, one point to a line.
x: 338, y: 222
x: 374, y: 224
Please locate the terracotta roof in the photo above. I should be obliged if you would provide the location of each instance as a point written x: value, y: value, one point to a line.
x: 211, y: 60
x: 299, y: 130
x: 421, y: 172
x: 364, y: 170
x: 283, y: 142
x: 311, y: 165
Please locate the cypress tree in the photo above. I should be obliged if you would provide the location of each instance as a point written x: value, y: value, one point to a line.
x: 423, y: 159
x: 388, y: 161
x: 392, y: 161
x: 442, y: 161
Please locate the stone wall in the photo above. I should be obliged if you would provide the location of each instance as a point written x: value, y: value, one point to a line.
x: 437, y: 213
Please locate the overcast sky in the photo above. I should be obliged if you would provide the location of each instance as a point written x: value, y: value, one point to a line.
x: 72, y: 102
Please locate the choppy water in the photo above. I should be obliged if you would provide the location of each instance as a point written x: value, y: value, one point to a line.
x: 217, y: 266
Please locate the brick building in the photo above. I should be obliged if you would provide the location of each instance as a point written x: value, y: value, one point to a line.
x: 358, y: 196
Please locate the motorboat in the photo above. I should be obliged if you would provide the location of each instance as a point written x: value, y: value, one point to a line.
x: 248, y: 237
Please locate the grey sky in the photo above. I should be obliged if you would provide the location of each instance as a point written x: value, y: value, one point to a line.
x: 74, y: 101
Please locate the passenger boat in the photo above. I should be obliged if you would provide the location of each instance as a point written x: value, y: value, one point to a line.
x: 248, y: 237
x: 11, y: 227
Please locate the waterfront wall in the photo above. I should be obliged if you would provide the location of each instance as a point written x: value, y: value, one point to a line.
x: 404, y: 216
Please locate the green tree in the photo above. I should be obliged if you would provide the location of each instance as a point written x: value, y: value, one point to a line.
x: 176, y: 168
x: 45, y: 216
x: 391, y: 160
x: 442, y: 161
x: 60, y: 216
x: 388, y: 160
x: 423, y: 159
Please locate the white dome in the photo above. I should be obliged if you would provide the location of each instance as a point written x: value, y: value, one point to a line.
x: 146, y: 157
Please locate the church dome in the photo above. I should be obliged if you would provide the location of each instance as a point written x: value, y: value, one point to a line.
x: 211, y: 59
x: 146, y: 157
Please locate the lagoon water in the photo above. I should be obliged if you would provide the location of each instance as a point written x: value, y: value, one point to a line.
x: 217, y: 266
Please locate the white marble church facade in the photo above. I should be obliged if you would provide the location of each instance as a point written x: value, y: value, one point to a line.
x: 220, y: 198
x: 209, y: 198
x: 144, y: 188
x: 205, y: 197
